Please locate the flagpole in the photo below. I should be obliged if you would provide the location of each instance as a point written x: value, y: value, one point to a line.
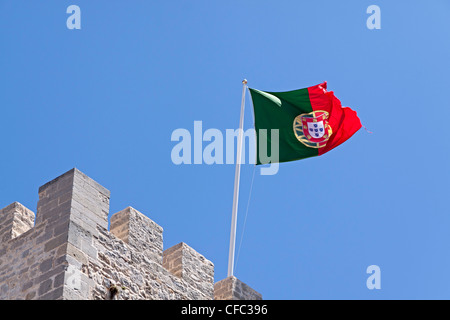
x: 236, y: 185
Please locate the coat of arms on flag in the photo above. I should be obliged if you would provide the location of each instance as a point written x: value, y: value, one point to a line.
x: 312, y: 129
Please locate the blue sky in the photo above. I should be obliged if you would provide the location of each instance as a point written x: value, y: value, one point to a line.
x: 106, y: 99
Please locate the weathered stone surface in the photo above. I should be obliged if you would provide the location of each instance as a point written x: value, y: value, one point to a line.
x: 68, y: 253
x: 232, y: 288
x: 139, y: 232
x: 15, y: 220
x: 187, y: 264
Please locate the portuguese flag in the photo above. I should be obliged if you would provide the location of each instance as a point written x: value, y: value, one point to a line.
x: 310, y: 122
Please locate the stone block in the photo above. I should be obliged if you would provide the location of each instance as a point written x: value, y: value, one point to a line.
x: 189, y: 265
x: 231, y: 288
x: 139, y: 232
x: 15, y: 220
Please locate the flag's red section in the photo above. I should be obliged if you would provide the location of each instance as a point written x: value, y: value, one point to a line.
x: 343, y: 121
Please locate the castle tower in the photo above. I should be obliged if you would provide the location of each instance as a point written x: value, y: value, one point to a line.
x: 69, y: 253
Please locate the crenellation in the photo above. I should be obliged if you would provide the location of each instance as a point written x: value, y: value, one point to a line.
x: 67, y: 252
x: 15, y: 220
x: 231, y: 288
x: 186, y: 263
x: 139, y: 232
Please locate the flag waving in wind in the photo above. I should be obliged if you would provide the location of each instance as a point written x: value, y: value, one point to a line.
x: 290, y: 126
x: 310, y: 122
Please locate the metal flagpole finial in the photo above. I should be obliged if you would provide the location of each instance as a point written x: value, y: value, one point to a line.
x: 244, y: 81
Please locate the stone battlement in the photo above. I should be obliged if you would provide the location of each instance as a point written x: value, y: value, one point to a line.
x: 68, y: 253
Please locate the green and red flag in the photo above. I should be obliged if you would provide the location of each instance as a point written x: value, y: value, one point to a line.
x: 310, y: 122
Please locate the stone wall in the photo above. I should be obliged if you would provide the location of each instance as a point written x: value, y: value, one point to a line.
x: 68, y: 253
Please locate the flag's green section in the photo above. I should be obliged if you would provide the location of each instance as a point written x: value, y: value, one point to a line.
x: 277, y: 110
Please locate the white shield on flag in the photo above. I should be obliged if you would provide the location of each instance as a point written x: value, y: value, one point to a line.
x: 316, y: 129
